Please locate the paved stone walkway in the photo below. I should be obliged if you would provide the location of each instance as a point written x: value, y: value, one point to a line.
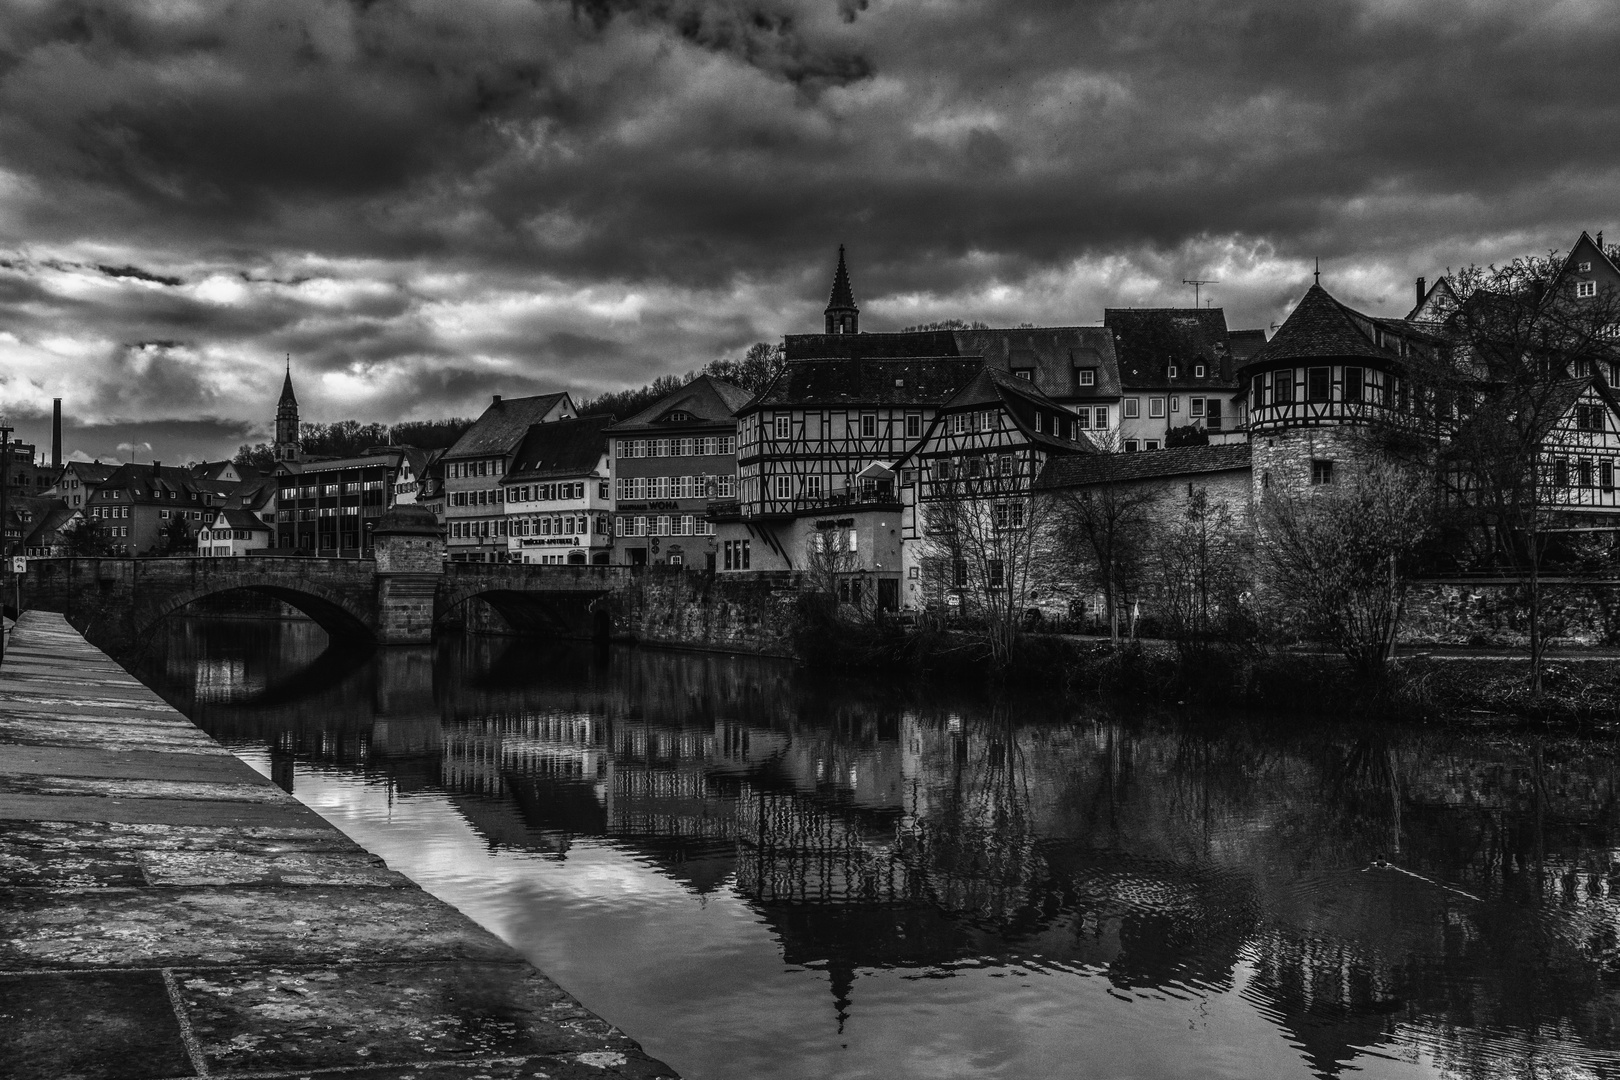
x: 165, y: 911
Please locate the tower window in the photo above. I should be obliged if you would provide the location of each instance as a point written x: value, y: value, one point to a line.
x: 1316, y: 384
x: 1321, y: 471
x: 1352, y: 383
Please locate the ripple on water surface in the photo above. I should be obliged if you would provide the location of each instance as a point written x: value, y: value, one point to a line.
x: 756, y: 874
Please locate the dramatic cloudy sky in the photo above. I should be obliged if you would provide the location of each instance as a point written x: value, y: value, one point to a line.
x: 427, y: 202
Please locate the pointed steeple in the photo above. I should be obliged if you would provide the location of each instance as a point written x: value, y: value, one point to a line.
x: 287, y: 446
x: 287, y: 395
x: 843, y: 317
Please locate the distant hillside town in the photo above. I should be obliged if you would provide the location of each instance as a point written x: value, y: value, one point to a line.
x: 919, y: 469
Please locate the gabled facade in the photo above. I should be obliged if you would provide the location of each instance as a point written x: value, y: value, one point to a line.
x: 986, y: 446
x: 474, y: 509
x: 558, y: 494
x: 1075, y: 366
x: 669, y: 461
x: 233, y: 532
x: 138, y: 504
x: 1177, y: 368
x: 78, y: 480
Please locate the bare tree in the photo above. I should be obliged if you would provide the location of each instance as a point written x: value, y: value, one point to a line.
x: 1200, y: 571
x: 989, y: 544
x: 832, y: 578
x: 1524, y: 348
x: 1338, y: 559
x: 1105, y: 531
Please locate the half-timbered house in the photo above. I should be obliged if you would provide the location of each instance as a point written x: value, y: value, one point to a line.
x: 973, y: 472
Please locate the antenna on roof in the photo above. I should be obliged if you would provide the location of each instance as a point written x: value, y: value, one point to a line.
x: 1319, y: 269
x: 1199, y: 283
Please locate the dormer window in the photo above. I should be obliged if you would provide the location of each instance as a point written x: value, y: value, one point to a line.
x: 678, y: 416
x: 1174, y: 371
x: 1086, y: 376
x: 1027, y: 374
x: 1198, y: 371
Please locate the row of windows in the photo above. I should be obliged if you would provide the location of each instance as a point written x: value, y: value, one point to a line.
x: 462, y: 470
x: 695, y: 446
x: 1316, y: 385
x: 1583, y: 474
x: 557, y: 525
x: 225, y: 534
x: 638, y: 488
x: 552, y: 492
x: 1159, y: 406
x: 782, y: 426
x: 664, y: 525
x: 736, y: 554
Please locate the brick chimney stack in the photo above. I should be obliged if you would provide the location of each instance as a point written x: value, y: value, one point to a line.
x: 1422, y: 291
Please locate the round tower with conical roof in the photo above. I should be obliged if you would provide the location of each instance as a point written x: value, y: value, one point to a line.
x: 287, y: 445
x: 843, y: 317
x: 1322, y: 389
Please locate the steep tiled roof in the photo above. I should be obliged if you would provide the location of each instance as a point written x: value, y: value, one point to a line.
x: 142, y: 481
x: 1320, y: 327
x: 504, y: 425
x: 1243, y: 344
x: 240, y: 519
x: 287, y: 395
x: 47, y: 521
x: 1022, y: 401
x: 1052, y: 354
x: 561, y: 448
x: 921, y: 381
x: 1083, y: 470
x: 917, y: 343
x: 705, y: 397
x: 1149, y: 340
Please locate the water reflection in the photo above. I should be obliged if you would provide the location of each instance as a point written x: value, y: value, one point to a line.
x: 974, y: 886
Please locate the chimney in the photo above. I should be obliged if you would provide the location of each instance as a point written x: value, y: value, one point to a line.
x: 156, y: 465
x: 497, y: 399
x: 56, y: 433
x: 1421, y: 290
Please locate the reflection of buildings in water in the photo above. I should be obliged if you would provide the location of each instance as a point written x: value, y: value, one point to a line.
x: 224, y: 679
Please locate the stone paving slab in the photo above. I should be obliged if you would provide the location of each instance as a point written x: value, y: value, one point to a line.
x: 165, y: 911
x: 130, y: 764
x: 183, y: 811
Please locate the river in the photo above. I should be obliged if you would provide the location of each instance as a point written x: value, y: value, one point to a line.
x: 760, y: 874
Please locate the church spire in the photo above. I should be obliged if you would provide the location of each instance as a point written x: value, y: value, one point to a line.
x: 287, y: 446
x: 843, y: 317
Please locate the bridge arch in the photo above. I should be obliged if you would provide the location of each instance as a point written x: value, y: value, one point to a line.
x: 330, y: 609
x: 567, y: 614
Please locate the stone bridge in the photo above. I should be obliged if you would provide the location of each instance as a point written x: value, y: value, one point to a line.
x: 399, y: 597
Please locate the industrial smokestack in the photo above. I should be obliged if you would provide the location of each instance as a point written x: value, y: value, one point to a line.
x: 56, y: 433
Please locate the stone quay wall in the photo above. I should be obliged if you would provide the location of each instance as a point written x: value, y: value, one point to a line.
x: 1490, y: 612
x: 751, y: 612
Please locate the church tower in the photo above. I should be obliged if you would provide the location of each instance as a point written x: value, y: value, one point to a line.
x: 843, y: 317
x: 287, y: 446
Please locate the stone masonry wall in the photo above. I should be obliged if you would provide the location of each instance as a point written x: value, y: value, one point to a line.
x: 748, y: 612
x: 1491, y: 613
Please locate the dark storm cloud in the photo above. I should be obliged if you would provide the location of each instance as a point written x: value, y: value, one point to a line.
x: 426, y: 202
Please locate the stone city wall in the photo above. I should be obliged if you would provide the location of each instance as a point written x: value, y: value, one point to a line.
x: 1492, y: 613
x: 750, y: 612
